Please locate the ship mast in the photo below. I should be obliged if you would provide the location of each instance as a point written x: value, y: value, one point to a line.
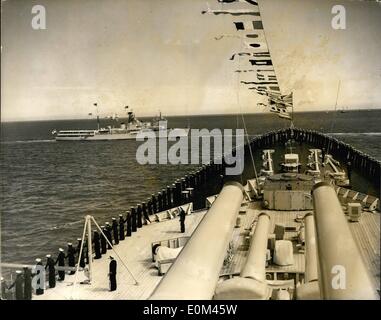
x: 97, y: 112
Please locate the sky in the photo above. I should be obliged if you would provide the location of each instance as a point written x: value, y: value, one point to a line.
x: 161, y: 55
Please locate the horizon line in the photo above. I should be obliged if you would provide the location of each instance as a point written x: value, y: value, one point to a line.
x: 195, y: 115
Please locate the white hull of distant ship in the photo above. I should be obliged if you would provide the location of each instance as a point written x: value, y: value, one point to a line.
x: 106, y: 135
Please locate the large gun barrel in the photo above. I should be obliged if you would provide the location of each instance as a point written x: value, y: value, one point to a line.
x: 255, y: 266
x: 311, y: 272
x: 342, y: 273
x: 195, y: 272
x: 251, y: 284
x: 309, y: 290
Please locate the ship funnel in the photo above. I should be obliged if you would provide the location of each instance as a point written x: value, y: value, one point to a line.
x: 251, y: 284
x: 342, y: 273
x: 194, y: 274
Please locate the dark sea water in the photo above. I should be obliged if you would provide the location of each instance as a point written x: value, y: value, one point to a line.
x: 47, y: 187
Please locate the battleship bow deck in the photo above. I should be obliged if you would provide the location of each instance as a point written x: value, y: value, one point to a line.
x: 136, y: 254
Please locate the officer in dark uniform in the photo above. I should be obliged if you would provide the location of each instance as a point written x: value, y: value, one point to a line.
x: 108, y: 235
x: 50, y: 265
x: 70, y: 255
x: 182, y: 220
x: 40, y: 277
x: 121, y: 227
x: 129, y: 224
x: 61, y: 263
x: 103, y: 240
x: 18, y: 283
x: 112, y: 274
x: 115, y: 231
x: 82, y: 259
x: 97, y: 245
x: 27, y: 283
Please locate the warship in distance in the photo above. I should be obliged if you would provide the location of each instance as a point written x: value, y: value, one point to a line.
x: 303, y: 226
x: 125, y: 131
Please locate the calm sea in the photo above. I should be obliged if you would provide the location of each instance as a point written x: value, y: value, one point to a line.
x: 47, y: 187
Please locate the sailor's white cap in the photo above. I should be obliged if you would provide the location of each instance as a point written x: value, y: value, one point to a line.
x: 102, y: 227
x: 18, y: 271
x: 69, y: 244
x: 38, y: 260
x: 60, y: 249
x: 113, y: 218
x: 120, y: 215
x: 48, y: 255
x: 107, y: 222
x: 79, y: 239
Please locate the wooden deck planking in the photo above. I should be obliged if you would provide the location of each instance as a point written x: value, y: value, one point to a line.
x: 366, y: 233
x: 135, y: 251
x: 238, y: 239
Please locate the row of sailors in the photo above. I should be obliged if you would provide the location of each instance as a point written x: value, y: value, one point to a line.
x: 114, y: 233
